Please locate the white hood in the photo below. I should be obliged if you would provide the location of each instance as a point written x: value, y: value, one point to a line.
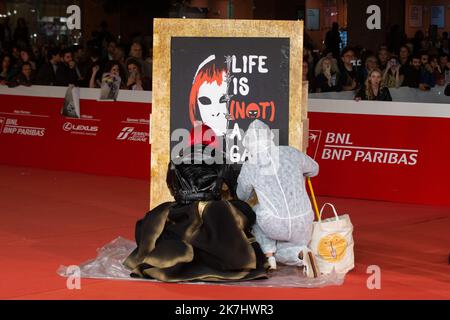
x: 258, y: 138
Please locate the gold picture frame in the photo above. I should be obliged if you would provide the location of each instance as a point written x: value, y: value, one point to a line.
x: 164, y: 30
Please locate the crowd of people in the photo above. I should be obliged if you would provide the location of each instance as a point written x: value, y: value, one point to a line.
x: 420, y: 62
x: 23, y: 63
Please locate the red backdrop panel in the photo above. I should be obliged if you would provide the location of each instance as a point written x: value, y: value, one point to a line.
x: 111, y: 138
x: 394, y: 158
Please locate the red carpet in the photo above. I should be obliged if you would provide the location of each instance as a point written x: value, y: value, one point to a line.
x: 49, y: 218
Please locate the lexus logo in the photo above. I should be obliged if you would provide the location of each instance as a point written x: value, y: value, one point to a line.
x: 68, y: 126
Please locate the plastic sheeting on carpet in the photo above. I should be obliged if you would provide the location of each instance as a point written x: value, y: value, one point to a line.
x: 108, y: 265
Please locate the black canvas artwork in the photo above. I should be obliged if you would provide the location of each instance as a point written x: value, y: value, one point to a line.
x: 226, y: 83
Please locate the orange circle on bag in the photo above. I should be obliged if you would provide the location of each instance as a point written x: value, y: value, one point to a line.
x: 332, y: 247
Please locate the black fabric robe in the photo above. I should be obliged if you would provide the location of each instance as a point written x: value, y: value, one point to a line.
x: 201, y: 241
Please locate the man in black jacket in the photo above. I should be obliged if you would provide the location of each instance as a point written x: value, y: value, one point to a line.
x: 66, y: 73
x: 47, y: 73
x: 447, y: 90
x: 333, y: 40
x: 414, y: 75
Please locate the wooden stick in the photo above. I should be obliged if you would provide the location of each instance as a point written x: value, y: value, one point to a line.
x: 313, y: 197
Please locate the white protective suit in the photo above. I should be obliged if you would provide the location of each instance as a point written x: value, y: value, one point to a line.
x: 284, y: 215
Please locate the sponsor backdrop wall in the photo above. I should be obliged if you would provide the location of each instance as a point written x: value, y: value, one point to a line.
x: 381, y: 150
x: 368, y: 150
x: 110, y: 138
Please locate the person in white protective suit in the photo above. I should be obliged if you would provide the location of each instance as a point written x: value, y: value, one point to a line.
x: 284, y: 215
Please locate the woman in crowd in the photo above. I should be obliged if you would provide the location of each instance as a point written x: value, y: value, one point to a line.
x: 112, y: 68
x: 391, y: 75
x: 373, y: 88
x: 327, y: 75
x: 26, y: 75
x: 136, y: 79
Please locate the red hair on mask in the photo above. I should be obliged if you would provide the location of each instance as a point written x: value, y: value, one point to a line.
x: 209, y: 73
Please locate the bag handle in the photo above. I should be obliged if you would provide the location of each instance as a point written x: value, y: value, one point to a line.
x: 332, y: 207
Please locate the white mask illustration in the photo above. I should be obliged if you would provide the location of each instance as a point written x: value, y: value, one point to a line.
x: 212, y: 105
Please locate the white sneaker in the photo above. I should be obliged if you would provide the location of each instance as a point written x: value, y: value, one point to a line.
x: 310, y: 267
x: 272, y: 263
